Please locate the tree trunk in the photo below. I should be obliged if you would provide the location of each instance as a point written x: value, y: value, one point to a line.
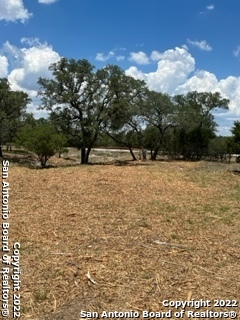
x: 83, y: 155
x: 155, y: 153
x: 151, y: 154
x: 43, y: 160
x: 85, y: 152
x: 133, y: 155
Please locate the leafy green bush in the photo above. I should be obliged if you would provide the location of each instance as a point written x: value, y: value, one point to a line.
x: 43, y: 140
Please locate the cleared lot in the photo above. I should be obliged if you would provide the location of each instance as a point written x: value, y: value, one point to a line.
x: 125, y: 236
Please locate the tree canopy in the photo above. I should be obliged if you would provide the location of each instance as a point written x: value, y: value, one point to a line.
x: 85, y: 102
x: 12, y: 108
x: 42, y: 139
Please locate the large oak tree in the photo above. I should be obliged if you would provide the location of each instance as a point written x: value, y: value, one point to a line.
x: 84, y: 103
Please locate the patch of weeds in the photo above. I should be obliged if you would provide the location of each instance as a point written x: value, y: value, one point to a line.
x: 228, y: 219
x: 190, y: 221
x: 144, y: 224
x: 235, y: 192
x: 40, y: 295
x: 174, y: 236
x: 25, y: 309
x: 224, y: 209
x: 169, y: 207
x: 27, y: 249
x: 207, y: 208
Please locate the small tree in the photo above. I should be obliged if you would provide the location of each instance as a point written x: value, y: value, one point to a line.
x: 43, y: 140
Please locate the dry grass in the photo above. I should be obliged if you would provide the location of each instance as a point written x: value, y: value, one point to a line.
x: 143, y: 232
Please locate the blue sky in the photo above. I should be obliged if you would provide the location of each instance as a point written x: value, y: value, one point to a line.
x: 176, y: 46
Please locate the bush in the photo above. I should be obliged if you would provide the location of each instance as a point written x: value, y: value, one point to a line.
x: 43, y: 140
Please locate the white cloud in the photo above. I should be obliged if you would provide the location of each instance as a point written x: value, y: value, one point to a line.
x: 174, y: 76
x: 102, y: 57
x: 3, y: 67
x: 30, y: 41
x: 201, y: 81
x: 155, y: 55
x: 114, y: 53
x: 174, y: 66
x: 47, y: 1
x: 13, y: 10
x: 210, y: 7
x: 206, y: 81
x: 139, y: 57
x: 202, y: 45
x: 184, y: 46
x: 26, y: 65
x: 137, y: 74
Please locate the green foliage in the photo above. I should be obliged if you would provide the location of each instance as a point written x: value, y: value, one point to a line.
x: 71, y: 96
x: 42, y: 139
x: 236, y: 131
x: 157, y: 112
x: 220, y: 148
x: 195, y: 123
x: 12, y: 109
x: 83, y: 103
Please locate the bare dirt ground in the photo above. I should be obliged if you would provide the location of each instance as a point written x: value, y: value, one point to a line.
x: 124, y: 235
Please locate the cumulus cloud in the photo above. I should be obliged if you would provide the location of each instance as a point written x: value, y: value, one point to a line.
x: 174, y: 66
x: 26, y: 65
x: 137, y: 74
x: 47, y: 1
x: 176, y: 74
x: 104, y: 57
x: 13, y: 10
x: 139, y: 57
x: 155, y: 55
x: 202, y: 45
x: 201, y: 81
x: 206, y: 81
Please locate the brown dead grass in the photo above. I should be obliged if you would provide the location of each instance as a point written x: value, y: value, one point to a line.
x: 143, y: 232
